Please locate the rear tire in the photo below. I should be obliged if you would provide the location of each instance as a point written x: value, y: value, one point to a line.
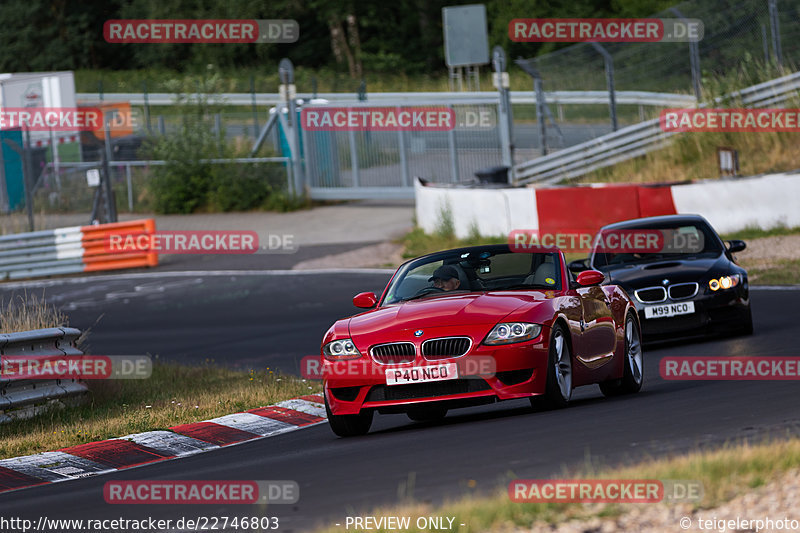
x: 427, y: 414
x: 349, y: 425
x: 558, y: 388
x: 633, y: 375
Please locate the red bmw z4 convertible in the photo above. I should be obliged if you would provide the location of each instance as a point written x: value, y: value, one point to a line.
x: 476, y: 325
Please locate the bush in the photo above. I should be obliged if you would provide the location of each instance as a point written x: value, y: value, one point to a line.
x: 187, y: 184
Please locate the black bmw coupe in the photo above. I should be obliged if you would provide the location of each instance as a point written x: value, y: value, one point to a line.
x: 688, y: 285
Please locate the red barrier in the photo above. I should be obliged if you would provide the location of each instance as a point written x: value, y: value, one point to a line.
x: 590, y: 208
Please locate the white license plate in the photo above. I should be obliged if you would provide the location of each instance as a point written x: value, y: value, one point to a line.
x: 667, y: 310
x: 421, y: 374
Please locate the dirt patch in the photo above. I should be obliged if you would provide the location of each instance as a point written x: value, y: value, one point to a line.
x: 767, y: 251
x: 383, y: 255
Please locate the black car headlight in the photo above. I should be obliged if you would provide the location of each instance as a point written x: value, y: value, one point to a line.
x: 340, y: 349
x: 510, y: 332
x: 724, y: 282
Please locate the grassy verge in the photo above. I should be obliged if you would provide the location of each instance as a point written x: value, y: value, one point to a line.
x: 758, y: 233
x: 781, y: 272
x: 772, y: 256
x: 725, y: 473
x: 25, y: 313
x: 418, y: 243
x: 693, y: 156
x: 174, y: 394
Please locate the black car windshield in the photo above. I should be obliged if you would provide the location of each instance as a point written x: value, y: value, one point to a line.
x: 667, y: 241
x: 474, y: 270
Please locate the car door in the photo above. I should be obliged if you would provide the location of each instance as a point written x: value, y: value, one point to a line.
x: 598, y: 334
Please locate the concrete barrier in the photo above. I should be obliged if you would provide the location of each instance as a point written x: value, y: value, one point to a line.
x: 735, y: 204
x: 730, y: 205
x: 492, y: 211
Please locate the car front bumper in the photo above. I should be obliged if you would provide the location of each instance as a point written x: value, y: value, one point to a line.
x: 485, y: 374
x: 716, y: 312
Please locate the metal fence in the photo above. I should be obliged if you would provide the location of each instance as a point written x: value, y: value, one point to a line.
x: 21, y: 398
x: 342, y: 164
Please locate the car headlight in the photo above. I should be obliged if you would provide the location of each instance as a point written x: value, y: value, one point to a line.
x: 341, y: 349
x: 725, y: 282
x: 510, y: 332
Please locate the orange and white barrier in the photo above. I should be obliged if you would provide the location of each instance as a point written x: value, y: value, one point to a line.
x: 71, y: 250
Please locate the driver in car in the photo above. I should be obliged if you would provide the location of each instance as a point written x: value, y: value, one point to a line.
x: 446, y: 278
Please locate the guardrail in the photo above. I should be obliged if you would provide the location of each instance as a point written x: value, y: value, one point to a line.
x: 70, y: 250
x: 23, y: 398
x: 419, y: 98
x: 636, y: 140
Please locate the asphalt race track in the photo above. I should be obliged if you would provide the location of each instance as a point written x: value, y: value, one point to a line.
x: 256, y: 320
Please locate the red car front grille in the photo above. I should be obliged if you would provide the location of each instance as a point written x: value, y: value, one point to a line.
x: 393, y: 353
x: 446, y: 347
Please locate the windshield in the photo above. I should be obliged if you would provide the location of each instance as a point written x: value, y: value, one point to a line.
x: 671, y: 241
x: 474, y: 271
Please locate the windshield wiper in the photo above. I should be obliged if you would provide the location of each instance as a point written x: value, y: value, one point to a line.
x: 429, y: 292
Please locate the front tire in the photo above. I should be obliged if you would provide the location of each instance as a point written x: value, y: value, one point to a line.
x: 633, y: 375
x: 349, y: 425
x: 746, y: 327
x: 558, y: 388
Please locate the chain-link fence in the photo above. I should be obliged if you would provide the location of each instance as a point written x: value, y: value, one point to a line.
x: 733, y: 32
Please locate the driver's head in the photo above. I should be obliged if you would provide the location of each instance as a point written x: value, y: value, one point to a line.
x: 446, y: 278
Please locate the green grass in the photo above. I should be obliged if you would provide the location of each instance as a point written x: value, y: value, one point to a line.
x: 758, y: 233
x: 418, y: 243
x: 784, y: 272
x: 174, y: 394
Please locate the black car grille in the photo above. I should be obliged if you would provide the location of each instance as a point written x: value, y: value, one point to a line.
x: 393, y: 353
x: 682, y: 291
x: 413, y: 391
x: 445, y: 347
x: 651, y: 294
x: 513, y: 377
x: 346, y: 394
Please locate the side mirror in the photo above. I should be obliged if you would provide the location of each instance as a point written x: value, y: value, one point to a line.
x: 588, y: 278
x: 365, y: 300
x: 579, y: 265
x: 736, y: 246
